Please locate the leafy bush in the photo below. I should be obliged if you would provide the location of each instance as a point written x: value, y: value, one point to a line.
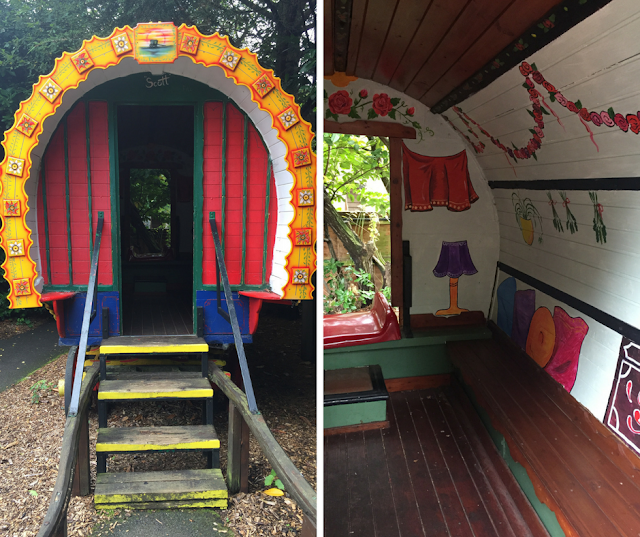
x: 347, y: 289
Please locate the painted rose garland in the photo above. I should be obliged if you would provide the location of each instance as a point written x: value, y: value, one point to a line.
x: 343, y: 102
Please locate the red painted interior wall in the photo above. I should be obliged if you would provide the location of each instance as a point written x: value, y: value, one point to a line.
x: 54, y: 176
x: 258, y: 172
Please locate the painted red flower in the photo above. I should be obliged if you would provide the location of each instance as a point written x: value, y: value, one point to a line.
x: 539, y: 132
x: 585, y: 115
x: 547, y: 23
x: 571, y: 106
x: 606, y: 119
x: 525, y: 68
x: 382, y: 104
x: 549, y: 87
x: 530, y: 82
x: 363, y: 93
x: 537, y: 77
x: 411, y: 111
x: 596, y: 119
x: 621, y: 122
x: 537, y: 138
x: 634, y: 123
x: 537, y: 115
x: 533, y: 92
x: 340, y: 102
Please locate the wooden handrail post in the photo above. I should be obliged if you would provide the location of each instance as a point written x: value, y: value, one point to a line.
x: 308, y: 527
x: 237, y: 452
x: 82, y: 474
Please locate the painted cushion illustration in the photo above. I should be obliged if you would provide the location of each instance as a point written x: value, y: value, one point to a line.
x: 542, y: 336
x: 623, y: 412
x: 570, y: 333
x: 506, y: 295
x: 523, y: 309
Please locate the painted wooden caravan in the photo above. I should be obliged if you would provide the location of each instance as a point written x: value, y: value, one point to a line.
x: 215, y: 129
x: 186, y: 124
x: 513, y: 129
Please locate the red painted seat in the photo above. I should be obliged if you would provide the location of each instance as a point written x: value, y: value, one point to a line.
x: 362, y: 328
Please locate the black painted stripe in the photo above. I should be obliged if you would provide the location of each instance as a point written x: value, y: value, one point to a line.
x: 600, y: 316
x: 604, y: 183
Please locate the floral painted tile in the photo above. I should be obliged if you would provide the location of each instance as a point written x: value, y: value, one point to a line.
x: 189, y: 43
x: 15, y: 247
x: 121, y: 44
x: 50, y: 90
x: 263, y: 85
x: 11, y: 208
x: 22, y: 287
x: 26, y: 125
x: 15, y: 166
x: 230, y: 59
x: 300, y: 275
x: 301, y: 157
x: 305, y: 197
x: 288, y: 118
x: 82, y: 61
x: 302, y: 237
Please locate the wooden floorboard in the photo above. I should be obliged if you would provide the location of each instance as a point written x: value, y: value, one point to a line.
x: 157, y: 315
x: 419, y: 477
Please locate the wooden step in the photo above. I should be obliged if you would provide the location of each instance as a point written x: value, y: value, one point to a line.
x: 148, y: 386
x: 136, y: 439
x: 161, y: 490
x: 154, y: 344
x: 170, y: 373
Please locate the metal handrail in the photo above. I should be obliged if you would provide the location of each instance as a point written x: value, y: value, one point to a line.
x: 231, y: 317
x: 90, y: 309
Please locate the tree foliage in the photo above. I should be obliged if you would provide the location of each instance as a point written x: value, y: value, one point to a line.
x: 34, y: 32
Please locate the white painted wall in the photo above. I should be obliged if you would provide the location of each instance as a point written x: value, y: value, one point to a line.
x: 426, y: 230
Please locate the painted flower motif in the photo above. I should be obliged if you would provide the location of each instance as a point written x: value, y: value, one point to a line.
x: 82, y: 61
x: 539, y: 131
x: 363, y: 94
x: 537, y: 138
x: 561, y: 99
x: 120, y: 44
x: 26, y: 125
x: 305, y: 197
x: 549, y: 87
x: 529, y: 82
x: 22, y: 287
x: 302, y: 237
x: 634, y: 123
x: 300, y: 276
x: 606, y: 119
x: 16, y: 247
x: 411, y: 111
x: 571, y: 106
x: 596, y: 119
x: 263, y: 85
x: 50, y: 90
x: 510, y: 151
x: 340, y: 102
x: 15, y: 166
x: 288, y: 118
x: 301, y: 157
x: 547, y: 23
x: 525, y: 68
x: 11, y: 207
x: 537, y: 77
x: 382, y: 104
x: 534, y: 93
x: 230, y: 58
x: 189, y: 43
x: 585, y: 115
x: 621, y: 122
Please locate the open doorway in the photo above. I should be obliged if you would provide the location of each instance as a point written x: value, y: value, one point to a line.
x: 155, y: 153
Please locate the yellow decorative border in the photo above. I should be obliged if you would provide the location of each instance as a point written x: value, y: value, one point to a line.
x: 66, y: 76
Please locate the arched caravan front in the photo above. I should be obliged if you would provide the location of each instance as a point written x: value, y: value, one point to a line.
x: 226, y: 136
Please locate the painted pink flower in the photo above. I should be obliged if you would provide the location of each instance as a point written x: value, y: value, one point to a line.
x: 561, y: 99
x: 525, y: 68
x: 539, y: 132
x: 340, y: 102
x: 621, y: 122
x: 634, y: 123
x: 549, y: 87
x: 596, y: 119
x: 606, y: 119
x: 571, y: 106
x: 537, y: 115
x: 537, y: 77
x: 363, y: 93
x: 537, y: 138
x: 411, y: 111
x: 382, y: 104
x: 585, y: 115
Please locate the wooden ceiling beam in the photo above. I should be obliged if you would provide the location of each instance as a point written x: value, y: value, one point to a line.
x: 358, y: 11
x: 374, y: 35
x: 328, y: 37
x: 371, y: 128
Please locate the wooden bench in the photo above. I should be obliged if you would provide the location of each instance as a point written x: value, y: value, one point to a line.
x: 578, y: 468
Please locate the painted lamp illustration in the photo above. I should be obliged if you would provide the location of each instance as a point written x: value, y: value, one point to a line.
x: 455, y: 260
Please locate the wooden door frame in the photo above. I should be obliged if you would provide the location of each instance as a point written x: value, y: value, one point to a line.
x: 395, y: 133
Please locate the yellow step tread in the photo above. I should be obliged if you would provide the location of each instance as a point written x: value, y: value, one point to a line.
x: 146, y: 388
x: 154, y: 345
x: 167, y: 486
x: 165, y: 438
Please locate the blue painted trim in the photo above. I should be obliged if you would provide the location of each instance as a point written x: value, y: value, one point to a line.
x: 222, y: 339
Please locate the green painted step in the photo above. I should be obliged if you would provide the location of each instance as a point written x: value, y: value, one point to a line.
x: 155, y: 386
x: 161, y: 490
x: 138, y: 439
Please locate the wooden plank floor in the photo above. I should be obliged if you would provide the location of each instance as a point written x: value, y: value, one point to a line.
x: 157, y: 315
x: 420, y: 477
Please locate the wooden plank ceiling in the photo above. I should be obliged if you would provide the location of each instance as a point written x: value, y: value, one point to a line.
x: 424, y: 48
